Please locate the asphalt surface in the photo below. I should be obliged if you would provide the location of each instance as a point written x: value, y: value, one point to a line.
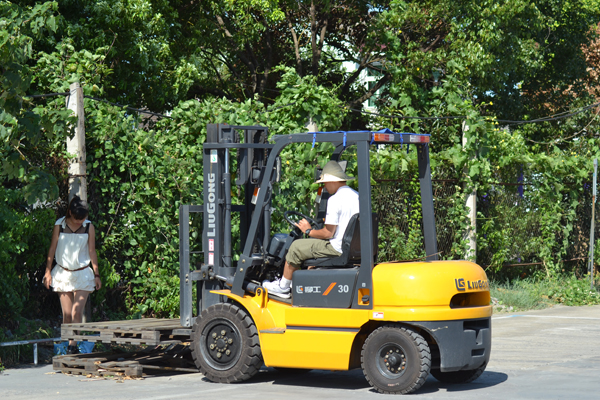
x: 544, y: 354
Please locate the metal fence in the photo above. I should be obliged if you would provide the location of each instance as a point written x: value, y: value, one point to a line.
x: 508, y: 230
x: 398, y: 206
x: 507, y: 211
x: 508, y: 227
x: 44, y: 304
x: 578, y: 251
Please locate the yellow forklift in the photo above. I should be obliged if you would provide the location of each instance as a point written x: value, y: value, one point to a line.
x: 398, y: 321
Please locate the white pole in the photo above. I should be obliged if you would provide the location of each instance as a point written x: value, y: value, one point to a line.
x: 471, y: 203
x: 77, y: 166
x: 591, y: 262
x: 311, y: 125
x: 76, y: 145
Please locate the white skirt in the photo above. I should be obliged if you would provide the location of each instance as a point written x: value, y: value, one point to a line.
x: 70, y: 281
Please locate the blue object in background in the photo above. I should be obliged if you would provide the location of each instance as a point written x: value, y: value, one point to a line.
x: 60, y: 349
x: 85, y: 347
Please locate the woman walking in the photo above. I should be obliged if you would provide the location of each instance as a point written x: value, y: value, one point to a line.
x: 76, y: 274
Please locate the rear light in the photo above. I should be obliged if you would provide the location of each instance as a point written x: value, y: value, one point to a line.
x: 400, y: 138
x: 383, y: 137
x: 419, y: 138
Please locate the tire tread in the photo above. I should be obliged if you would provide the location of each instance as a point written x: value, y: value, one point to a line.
x: 251, y: 353
x: 424, y: 354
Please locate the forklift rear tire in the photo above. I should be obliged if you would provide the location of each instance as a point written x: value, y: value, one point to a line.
x: 458, y: 376
x: 395, y: 359
x: 225, y: 344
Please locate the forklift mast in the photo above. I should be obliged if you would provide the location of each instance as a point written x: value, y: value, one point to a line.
x: 252, y: 152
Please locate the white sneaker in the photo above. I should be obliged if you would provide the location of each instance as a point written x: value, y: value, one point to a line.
x: 275, y: 289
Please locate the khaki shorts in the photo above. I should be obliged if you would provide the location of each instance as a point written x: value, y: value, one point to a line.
x: 304, y: 249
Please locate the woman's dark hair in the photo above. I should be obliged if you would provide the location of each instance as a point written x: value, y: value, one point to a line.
x: 77, y: 208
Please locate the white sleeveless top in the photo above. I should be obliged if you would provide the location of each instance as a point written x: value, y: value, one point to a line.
x: 72, y: 250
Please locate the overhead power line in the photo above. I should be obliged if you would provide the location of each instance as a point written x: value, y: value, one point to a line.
x: 405, y: 116
x: 128, y: 108
x: 551, y: 118
x: 510, y: 122
x: 36, y: 96
x: 396, y: 116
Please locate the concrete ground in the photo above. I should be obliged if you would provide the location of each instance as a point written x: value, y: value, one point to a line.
x: 544, y: 354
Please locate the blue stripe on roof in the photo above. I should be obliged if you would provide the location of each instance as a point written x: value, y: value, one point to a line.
x: 385, y: 130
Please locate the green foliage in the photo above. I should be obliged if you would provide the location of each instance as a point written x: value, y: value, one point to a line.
x: 22, y: 133
x: 145, y: 176
x: 554, y: 181
x: 404, y: 209
x: 236, y: 63
x: 520, y: 295
x: 23, y: 329
x: 23, y: 231
x: 65, y: 65
x: 528, y: 294
x: 301, y: 99
x: 140, y: 41
x: 572, y: 291
x: 140, y: 177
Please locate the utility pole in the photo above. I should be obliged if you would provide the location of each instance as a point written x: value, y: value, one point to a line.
x: 592, y: 226
x: 471, y: 203
x: 76, y: 145
x: 77, y: 167
x: 311, y: 125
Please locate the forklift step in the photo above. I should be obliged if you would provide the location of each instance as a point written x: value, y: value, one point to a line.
x: 280, y: 299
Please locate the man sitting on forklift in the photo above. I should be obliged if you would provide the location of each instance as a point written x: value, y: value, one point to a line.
x: 325, y: 242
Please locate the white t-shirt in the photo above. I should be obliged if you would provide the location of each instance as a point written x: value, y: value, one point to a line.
x: 340, y: 208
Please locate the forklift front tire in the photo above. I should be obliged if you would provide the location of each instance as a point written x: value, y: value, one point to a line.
x: 225, y: 344
x: 395, y: 359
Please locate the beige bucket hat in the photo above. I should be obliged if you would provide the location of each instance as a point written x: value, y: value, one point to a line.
x: 332, y: 172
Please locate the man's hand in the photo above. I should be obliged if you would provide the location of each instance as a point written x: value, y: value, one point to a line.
x: 303, y: 225
x: 326, y: 232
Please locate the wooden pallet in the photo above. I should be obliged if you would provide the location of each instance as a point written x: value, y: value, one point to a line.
x: 96, y: 367
x: 149, y: 331
x: 132, y: 364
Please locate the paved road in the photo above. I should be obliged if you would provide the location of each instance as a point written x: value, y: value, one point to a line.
x: 546, y: 354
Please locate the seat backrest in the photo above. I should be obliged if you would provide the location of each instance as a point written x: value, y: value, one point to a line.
x: 351, y: 239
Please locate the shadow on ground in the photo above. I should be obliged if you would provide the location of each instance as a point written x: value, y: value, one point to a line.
x: 355, y: 380
x: 487, y: 379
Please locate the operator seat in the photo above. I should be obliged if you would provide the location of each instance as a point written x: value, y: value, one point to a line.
x: 350, y: 246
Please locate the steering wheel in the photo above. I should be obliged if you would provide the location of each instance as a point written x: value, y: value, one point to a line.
x: 293, y: 223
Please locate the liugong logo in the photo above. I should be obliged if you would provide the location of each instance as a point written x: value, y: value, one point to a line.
x: 462, y: 285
